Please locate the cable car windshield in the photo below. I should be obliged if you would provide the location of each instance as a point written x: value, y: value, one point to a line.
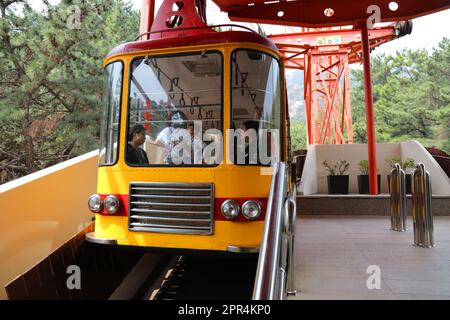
x: 111, y: 112
x: 255, y: 108
x: 175, y: 110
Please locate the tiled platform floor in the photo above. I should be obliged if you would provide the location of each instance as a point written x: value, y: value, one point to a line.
x: 333, y: 254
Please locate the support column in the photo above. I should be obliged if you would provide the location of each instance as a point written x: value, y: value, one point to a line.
x: 314, y: 99
x: 370, y: 116
x: 308, y: 98
x: 147, y: 16
x: 348, y: 104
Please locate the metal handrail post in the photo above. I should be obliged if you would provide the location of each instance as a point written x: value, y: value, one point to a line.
x: 275, y: 271
x: 270, y: 274
x: 291, y: 214
x: 398, y: 198
x: 421, y: 208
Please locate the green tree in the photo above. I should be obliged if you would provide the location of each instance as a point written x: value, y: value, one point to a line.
x: 51, y: 78
x: 411, y: 93
x: 298, y: 135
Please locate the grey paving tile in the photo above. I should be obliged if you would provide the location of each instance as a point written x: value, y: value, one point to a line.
x: 419, y: 274
x: 420, y: 287
x: 333, y: 253
x: 327, y: 253
x: 405, y: 296
x: 329, y: 271
x: 339, y: 295
x: 333, y: 262
x: 312, y: 284
x: 326, y: 245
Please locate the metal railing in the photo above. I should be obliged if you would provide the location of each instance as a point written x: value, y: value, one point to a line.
x: 275, y: 271
x: 398, y: 198
x: 205, y: 28
x: 421, y: 208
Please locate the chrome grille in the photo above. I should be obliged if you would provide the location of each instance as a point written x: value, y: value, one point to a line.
x: 186, y: 208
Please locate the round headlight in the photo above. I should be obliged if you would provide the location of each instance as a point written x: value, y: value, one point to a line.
x: 111, y: 204
x: 95, y: 203
x: 230, y: 209
x: 251, y: 209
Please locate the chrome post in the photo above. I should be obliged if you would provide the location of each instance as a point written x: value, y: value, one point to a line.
x: 398, y: 199
x: 291, y: 214
x: 275, y: 271
x: 270, y: 282
x: 421, y: 208
x: 282, y: 280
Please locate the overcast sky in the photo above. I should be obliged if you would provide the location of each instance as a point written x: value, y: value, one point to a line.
x: 427, y: 30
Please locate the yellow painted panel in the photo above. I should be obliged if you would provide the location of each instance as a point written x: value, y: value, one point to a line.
x: 111, y: 227
x: 226, y: 233
x: 229, y: 180
x: 41, y: 211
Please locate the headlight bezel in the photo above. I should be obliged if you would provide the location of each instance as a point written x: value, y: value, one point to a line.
x: 101, y: 203
x: 116, y: 201
x: 236, y: 206
x: 251, y: 202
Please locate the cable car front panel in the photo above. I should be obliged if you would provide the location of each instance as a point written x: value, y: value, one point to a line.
x: 204, y: 91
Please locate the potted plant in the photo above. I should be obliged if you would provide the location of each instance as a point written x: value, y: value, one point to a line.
x: 363, y: 178
x: 408, y: 163
x: 337, y: 181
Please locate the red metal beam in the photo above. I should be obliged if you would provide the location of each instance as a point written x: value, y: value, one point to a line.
x: 298, y: 64
x: 174, y: 19
x: 147, y: 16
x: 370, y: 115
x: 322, y: 38
x: 330, y: 51
x: 317, y: 13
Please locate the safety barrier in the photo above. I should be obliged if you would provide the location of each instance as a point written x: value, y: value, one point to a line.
x: 41, y: 211
x: 397, y: 198
x: 275, y: 271
x: 421, y: 208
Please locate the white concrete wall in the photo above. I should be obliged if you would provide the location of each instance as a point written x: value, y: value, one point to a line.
x: 314, y: 177
x: 354, y: 153
x: 440, y: 183
x: 43, y: 210
x: 308, y: 183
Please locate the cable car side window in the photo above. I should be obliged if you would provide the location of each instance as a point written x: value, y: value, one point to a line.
x: 255, y: 108
x: 175, y: 110
x: 109, y: 135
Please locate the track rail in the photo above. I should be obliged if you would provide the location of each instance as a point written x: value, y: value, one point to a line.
x: 209, y: 278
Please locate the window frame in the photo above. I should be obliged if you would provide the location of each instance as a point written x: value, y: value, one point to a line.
x: 222, y: 82
x: 119, y: 120
x: 281, y: 155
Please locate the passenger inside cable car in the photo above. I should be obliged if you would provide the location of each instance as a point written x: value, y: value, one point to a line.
x: 170, y: 92
x: 135, y: 154
x: 183, y: 88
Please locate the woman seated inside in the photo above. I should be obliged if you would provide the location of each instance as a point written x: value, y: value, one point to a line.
x: 135, y: 154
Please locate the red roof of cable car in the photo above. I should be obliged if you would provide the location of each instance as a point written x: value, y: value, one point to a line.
x: 312, y: 12
x: 200, y: 39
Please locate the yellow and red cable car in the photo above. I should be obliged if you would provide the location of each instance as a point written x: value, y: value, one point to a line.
x: 187, y: 80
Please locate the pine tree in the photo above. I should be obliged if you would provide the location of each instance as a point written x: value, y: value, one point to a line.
x: 51, y: 78
x: 411, y: 92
